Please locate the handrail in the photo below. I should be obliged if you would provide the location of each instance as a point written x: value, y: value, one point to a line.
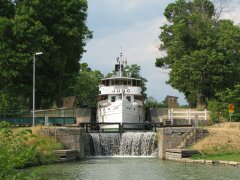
x: 121, y: 126
x: 188, y: 131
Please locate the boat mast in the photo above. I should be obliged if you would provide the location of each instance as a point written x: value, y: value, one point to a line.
x: 120, y: 62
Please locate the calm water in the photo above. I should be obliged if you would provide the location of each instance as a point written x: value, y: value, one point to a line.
x: 134, y: 168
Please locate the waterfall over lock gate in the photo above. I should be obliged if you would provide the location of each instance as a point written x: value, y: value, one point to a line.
x: 127, y: 144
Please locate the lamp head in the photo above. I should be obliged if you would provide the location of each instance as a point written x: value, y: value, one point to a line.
x: 38, y: 53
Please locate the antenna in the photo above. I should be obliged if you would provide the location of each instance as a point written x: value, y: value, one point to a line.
x: 120, y: 62
x: 121, y: 53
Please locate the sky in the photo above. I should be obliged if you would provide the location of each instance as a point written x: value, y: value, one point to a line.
x: 134, y: 27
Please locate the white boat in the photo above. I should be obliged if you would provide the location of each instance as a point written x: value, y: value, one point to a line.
x: 120, y: 99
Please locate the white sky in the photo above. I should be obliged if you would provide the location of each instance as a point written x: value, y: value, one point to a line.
x: 134, y: 26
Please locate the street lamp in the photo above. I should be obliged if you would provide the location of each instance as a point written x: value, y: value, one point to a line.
x: 34, y: 60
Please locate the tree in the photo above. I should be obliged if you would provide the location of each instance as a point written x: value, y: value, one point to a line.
x: 86, y: 87
x: 151, y: 102
x: 55, y: 27
x: 202, y: 52
x: 134, y: 72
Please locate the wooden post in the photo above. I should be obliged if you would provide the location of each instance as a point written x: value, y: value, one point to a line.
x: 196, y: 121
x: 195, y: 125
x: 171, y: 112
x: 205, y: 111
x: 189, y: 116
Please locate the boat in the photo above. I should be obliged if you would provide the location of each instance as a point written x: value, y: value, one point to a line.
x: 120, y: 99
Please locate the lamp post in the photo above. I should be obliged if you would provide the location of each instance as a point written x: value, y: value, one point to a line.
x: 34, y: 60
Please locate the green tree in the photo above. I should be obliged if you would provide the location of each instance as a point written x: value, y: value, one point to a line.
x: 55, y: 27
x: 86, y: 87
x: 134, y: 72
x: 202, y: 52
x: 151, y: 102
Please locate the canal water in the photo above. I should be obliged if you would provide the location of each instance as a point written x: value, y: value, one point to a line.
x: 134, y: 168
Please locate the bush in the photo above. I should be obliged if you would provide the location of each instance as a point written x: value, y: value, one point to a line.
x: 15, y: 152
x: 22, y: 148
x: 218, y: 111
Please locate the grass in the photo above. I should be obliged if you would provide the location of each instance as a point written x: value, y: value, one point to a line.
x: 222, y: 143
x: 220, y: 157
x: 46, y: 145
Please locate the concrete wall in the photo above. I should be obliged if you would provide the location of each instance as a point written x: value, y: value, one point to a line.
x: 72, y: 138
x: 83, y: 115
x: 172, y: 137
x: 169, y: 138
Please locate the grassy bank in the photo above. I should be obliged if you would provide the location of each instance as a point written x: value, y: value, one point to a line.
x: 22, y: 147
x: 45, y: 145
x: 222, y: 143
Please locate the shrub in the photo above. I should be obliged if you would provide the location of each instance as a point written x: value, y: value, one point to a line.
x: 21, y: 148
x: 15, y: 152
x: 218, y: 110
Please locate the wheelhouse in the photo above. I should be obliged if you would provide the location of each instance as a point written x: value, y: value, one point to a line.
x: 121, y: 82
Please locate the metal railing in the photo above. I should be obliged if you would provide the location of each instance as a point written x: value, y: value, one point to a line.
x: 119, y: 127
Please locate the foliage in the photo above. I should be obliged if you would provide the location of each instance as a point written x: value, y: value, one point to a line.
x: 231, y: 96
x: 20, y: 148
x: 202, y: 52
x: 15, y: 152
x: 153, y: 103
x: 134, y: 72
x: 86, y: 86
x: 55, y: 27
x: 218, y: 110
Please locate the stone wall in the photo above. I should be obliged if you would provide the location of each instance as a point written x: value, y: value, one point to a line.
x: 72, y: 138
x: 172, y: 137
x: 169, y: 138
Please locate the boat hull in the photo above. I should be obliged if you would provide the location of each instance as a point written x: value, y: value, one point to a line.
x: 122, y: 113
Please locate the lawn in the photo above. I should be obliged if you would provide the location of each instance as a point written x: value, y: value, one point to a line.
x: 222, y: 157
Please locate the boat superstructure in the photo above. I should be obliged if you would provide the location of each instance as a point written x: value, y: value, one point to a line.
x: 120, y: 98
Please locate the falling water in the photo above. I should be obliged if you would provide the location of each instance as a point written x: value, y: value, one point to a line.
x: 129, y: 144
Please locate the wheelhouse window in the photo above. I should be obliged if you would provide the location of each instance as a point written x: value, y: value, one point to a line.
x: 134, y: 82
x: 105, y: 82
x: 112, y: 82
x: 138, y: 83
x: 118, y: 82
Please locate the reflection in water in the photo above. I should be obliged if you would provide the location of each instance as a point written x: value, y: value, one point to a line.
x: 134, y: 168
